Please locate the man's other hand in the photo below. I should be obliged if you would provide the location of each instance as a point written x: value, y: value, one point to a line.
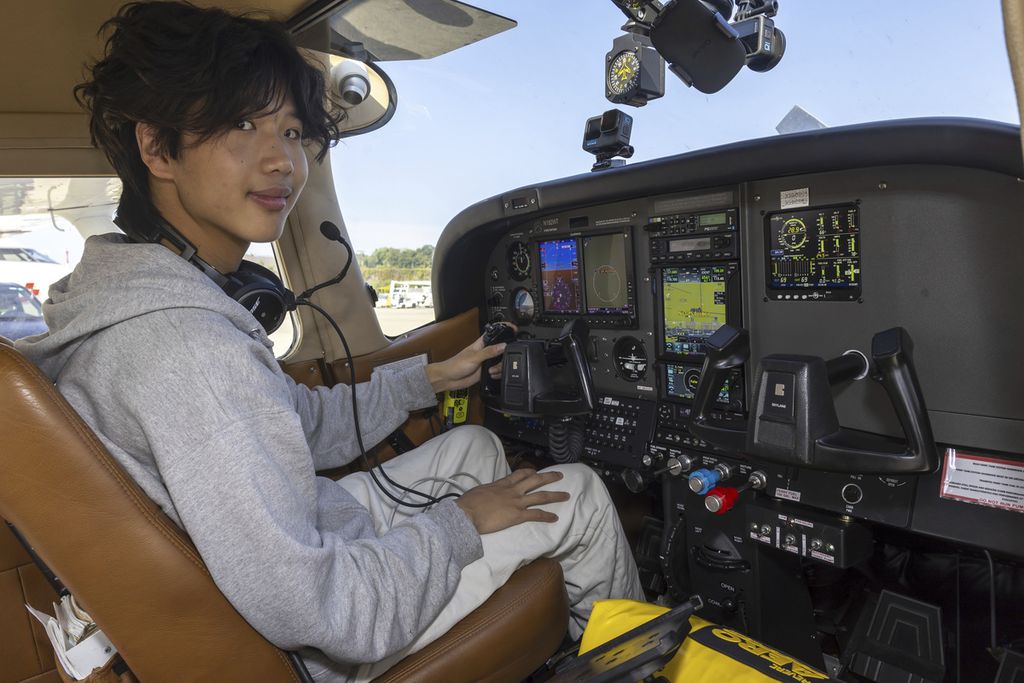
x: 463, y: 369
x: 511, y: 500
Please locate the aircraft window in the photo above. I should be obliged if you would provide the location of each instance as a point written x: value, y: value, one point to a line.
x: 399, y: 269
x: 44, y: 223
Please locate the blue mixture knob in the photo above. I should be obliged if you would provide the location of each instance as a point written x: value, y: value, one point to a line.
x: 703, y: 480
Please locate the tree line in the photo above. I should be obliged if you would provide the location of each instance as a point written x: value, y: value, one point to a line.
x: 385, y: 264
x: 391, y: 257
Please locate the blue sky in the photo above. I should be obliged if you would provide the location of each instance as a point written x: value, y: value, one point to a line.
x: 510, y: 110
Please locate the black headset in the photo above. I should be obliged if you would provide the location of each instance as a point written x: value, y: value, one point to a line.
x: 258, y: 289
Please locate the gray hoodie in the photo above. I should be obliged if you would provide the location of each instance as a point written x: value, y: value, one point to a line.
x: 180, y: 383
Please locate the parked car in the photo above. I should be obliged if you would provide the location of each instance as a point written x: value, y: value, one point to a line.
x: 21, y: 314
x: 30, y: 268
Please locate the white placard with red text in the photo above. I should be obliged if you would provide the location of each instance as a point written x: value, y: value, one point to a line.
x: 983, y: 480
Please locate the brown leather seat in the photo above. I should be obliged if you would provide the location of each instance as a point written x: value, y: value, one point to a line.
x: 143, y: 581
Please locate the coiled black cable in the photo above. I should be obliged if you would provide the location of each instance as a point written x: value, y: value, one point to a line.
x: 565, y: 441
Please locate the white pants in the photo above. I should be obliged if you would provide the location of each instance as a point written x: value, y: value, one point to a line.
x: 587, y: 540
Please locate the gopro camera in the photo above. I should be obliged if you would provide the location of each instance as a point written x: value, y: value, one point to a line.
x: 763, y: 43
x: 607, y: 136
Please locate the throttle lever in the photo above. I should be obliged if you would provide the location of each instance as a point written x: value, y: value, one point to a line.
x: 726, y: 349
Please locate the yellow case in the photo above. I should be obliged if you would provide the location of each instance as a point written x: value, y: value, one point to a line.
x: 710, y: 654
x: 456, y: 405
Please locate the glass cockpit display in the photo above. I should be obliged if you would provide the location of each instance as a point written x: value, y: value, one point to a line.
x: 607, y: 286
x: 560, y: 276
x: 695, y: 303
x: 681, y: 382
x: 814, y: 254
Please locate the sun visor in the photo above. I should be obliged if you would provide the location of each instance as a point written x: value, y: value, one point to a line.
x: 391, y: 30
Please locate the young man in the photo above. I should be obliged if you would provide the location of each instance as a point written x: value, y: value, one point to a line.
x: 207, y: 119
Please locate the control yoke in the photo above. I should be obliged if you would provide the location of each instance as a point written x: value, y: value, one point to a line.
x: 546, y: 378
x: 793, y: 418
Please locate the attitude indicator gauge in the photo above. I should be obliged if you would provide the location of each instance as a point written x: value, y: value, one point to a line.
x: 523, y: 306
x: 519, y: 260
x: 630, y: 359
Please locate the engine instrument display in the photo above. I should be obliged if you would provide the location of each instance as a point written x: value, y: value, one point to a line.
x: 695, y: 303
x: 560, y: 276
x: 814, y: 254
x: 608, y: 287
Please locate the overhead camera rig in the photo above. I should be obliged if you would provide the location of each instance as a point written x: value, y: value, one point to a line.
x: 703, y: 42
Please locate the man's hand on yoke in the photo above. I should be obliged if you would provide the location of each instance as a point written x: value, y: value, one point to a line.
x: 511, y: 500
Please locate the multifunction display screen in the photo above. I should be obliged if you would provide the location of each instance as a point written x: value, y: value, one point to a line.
x: 560, y: 276
x: 694, y: 305
x: 606, y: 275
x: 814, y: 254
x: 681, y: 382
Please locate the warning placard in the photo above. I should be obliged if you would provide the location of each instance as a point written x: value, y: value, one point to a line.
x: 983, y: 480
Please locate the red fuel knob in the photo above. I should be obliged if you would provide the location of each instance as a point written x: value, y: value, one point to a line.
x: 721, y: 499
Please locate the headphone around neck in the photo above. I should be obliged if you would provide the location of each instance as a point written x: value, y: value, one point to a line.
x: 258, y: 289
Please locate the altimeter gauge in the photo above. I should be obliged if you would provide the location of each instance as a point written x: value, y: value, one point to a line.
x: 519, y: 260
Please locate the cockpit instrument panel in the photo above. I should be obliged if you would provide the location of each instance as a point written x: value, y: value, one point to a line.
x: 814, y: 254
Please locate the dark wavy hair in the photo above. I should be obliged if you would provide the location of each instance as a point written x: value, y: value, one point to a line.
x: 184, y: 69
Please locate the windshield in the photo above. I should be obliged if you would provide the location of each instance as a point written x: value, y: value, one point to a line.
x: 510, y: 110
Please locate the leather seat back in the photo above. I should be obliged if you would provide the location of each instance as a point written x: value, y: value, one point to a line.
x: 126, y: 562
